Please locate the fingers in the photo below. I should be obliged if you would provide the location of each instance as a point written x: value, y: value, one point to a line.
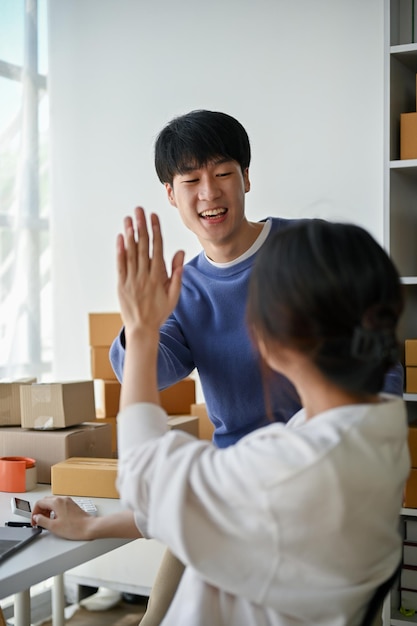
x: 132, y: 251
x: 142, y: 250
x: 121, y: 258
x: 43, y: 521
x: 131, y: 259
x: 137, y: 267
x: 176, y: 278
x: 177, y: 261
x: 43, y: 512
x: 62, y: 516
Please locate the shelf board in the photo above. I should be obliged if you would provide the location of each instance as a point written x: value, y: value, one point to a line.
x: 406, y: 54
x: 404, y: 47
x: 409, y: 512
x: 409, y: 280
x: 399, y: 620
x: 400, y: 164
x: 410, y: 397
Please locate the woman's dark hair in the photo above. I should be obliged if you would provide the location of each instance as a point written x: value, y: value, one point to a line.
x: 330, y: 291
x: 194, y: 139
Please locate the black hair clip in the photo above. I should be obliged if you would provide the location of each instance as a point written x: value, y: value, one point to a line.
x: 367, y: 345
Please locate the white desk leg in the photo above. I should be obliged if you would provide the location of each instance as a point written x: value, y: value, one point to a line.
x: 58, y: 601
x: 22, y: 608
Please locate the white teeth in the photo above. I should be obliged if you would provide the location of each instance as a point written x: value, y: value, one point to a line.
x: 212, y: 213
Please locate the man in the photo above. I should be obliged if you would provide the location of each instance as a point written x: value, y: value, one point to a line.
x: 203, y: 160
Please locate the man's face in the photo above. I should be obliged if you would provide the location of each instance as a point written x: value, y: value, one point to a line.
x: 211, y: 201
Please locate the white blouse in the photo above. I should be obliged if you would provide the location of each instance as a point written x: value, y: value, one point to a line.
x: 295, y: 524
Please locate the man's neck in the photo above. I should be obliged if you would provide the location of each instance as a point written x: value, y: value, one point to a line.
x: 228, y: 251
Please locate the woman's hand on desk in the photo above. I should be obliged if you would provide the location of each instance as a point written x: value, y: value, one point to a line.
x: 63, y: 517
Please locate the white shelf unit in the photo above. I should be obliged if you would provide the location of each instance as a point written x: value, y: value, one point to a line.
x: 400, y: 200
x: 392, y: 615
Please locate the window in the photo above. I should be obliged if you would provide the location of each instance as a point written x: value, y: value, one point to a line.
x: 25, y: 272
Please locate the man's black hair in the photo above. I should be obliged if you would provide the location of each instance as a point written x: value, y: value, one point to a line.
x: 192, y: 140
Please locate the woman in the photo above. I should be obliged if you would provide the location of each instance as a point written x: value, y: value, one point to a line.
x: 294, y: 524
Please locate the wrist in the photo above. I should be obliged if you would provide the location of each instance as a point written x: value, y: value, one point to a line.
x: 141, y: 336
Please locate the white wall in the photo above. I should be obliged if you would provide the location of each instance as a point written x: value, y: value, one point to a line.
x: 305, y: 78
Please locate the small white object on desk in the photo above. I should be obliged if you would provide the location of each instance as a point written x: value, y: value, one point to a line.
x: 86, y: 504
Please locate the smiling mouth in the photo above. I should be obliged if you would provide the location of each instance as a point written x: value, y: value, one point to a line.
x: 212, y: 213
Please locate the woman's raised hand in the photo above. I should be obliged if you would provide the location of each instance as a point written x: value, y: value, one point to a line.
x: 147, y: 294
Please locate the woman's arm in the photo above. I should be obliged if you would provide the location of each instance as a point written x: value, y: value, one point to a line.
x: 147, y: 296
x: 63, y: 517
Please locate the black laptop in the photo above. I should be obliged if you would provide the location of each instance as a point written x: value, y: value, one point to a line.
x: 13, y: 539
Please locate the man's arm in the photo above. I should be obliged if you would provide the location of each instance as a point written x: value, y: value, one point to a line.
x: 117, y: 354
x: 394, y: 380
x: 175, y: 360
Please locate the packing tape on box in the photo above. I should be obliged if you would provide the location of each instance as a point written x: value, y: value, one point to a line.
x: 17, y: 474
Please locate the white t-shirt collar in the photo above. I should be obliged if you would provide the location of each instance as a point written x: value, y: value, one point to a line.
x: 254, y: 247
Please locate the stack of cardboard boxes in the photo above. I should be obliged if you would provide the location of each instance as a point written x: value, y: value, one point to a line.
x: 411, y: 365
x: 50, y: 422
x: 103, y: 328
x: 410, y: 491
x: 96, y: 477
x: 410, y: 359
x: 69, y: 428
x: 176, y: 400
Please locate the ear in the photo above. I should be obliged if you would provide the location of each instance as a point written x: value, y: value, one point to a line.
x: 170, y: 194
x: 246, y: 180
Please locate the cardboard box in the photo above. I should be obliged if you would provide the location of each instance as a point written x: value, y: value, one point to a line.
x: 411, y: 379
x: 57, y: 405
x: 103, y: 328
x: 10, y: 413
x: 95, y: 478
x: 206, y: 427
x: 188, y: 423
x: 411, y: 352
x: 408, y: 135
x: 107, y: 397
x: 412, y: 444
x: 100, y: 363
x: 177, y: 399
x: 410, y: 490
x: 112, y: 421
x: 48, y: 447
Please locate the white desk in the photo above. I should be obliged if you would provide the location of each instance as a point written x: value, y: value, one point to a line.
x: 46, y: 557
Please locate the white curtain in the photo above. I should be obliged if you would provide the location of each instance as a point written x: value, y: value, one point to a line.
x: 25, y: 320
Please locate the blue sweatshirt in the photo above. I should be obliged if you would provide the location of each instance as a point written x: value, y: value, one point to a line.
x: 207, y: 331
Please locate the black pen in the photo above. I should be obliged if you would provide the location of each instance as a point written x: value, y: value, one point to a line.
x: 19, y: 524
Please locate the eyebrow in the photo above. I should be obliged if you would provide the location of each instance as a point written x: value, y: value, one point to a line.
x: 185, y: 169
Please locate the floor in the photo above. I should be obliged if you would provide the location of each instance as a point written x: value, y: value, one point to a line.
x: 124, y: 614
